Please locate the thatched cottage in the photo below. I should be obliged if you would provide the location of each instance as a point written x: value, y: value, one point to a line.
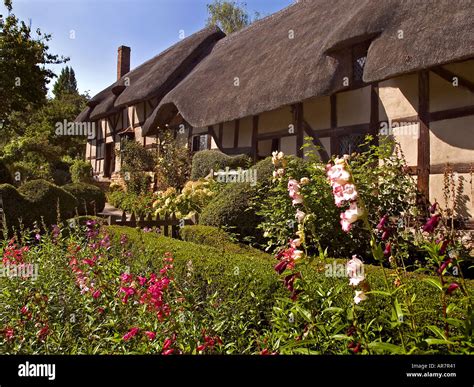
x: 332, y: 70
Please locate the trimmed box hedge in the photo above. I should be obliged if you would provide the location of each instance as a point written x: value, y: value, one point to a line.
x: 253, y: 280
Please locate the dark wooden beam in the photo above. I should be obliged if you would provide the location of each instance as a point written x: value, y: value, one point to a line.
x: 374, y: 111
x: 449, y: 77
x: 298, y: 122
x: 236, y: 133
x: 334, y: 139
x: 451, y: 113
x: 254, y: 138
x: 211, y: 134
x: 439, y: 169
x: 316, y: 141
x: 277, y: 134
x: 221, y: 133
x: 423, y: 180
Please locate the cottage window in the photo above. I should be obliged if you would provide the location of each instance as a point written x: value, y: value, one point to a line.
x: 351, y: 143
x: 359, y: 59
x: 200, y: 142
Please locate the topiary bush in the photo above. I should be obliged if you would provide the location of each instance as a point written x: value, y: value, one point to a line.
x: 91, y: 199
x: 15, y: 206
x: 5, y: 175
x: 204, y: 161
x: 265, y: 170
x: 44, y: 198
x: 81, y: 172
x: 232, y: 209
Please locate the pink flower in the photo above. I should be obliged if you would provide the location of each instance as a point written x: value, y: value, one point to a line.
x: 89, y: 262
x: 141, y: 280
x: 337, y: 174
x: 150, y: 335
x: 452, y: 288
x: 125, y: 277
x: 96, y: 294
x: 295, y: 243
x: 293, y: 185
x: 359, y: 296
x: 346, y: 226
x: 130, y: 334
x: 168, y: 352
x: 297, y: 199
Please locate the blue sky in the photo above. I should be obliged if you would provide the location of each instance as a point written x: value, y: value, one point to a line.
x: 89, y: 31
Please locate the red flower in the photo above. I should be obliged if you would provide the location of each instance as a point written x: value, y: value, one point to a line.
x: 166, y: 344
x: 150, y: 335
x: 388, y: 250
x: 125, y: 277
x: 452, y: 288
x: 24, y: 310
x: 168, y: 352
x: 9, y: 333
x: 43, y: 332
x: 96, y: 294
x: 280, y: 267
x: 444, y: 265
x: 89, y: 262
x: 131, y: 333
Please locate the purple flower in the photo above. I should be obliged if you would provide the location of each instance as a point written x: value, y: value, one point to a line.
x: 38, y: 237
x: 381, y: 225
x: 431, y: 224
x: 433, y: 207
x: 388, y: 250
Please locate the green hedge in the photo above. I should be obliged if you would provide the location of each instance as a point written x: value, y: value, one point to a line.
x: 91, y: 199
x: 204, y: 161
x: 81, y: 171
x: 217, y: 238
x: 232, y: 209
x: 214, y: 270
x: 251, y: 280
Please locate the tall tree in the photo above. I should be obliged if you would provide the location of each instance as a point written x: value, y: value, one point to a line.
x: 23, y: 74
x: 229, y: 16
x: 66, y: 83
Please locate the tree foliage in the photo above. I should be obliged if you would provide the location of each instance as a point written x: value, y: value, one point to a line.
x: 229, y: 16
x: 66, y: 83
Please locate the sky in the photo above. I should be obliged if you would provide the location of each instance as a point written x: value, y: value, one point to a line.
x: 90, y: 31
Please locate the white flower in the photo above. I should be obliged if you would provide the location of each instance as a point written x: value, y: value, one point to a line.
x: 296, y: 243
x: 297, y: 254
x: 359, y: 296
x: 300, y: 215
x: 352, y: 214
x: 355, y: 271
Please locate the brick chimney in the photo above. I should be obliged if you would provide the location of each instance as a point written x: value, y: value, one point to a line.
x: 123, y: 61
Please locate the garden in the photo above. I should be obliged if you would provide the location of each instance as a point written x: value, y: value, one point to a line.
x: 342, y: 257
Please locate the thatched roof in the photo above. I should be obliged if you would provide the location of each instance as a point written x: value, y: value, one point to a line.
x: 156, y: 77
x: 274, y: 70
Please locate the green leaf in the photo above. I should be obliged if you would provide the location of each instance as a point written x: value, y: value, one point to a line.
x: 386, y: 347
x: 434, y: 282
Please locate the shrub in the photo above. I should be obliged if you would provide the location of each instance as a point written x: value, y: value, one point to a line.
x: 91, y: 199
x: 173, y: 167
x: 264, y: 171
x: 232, y: 209
x: 81, y: 171
x: 204, y: 161
x: 44, y: 198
